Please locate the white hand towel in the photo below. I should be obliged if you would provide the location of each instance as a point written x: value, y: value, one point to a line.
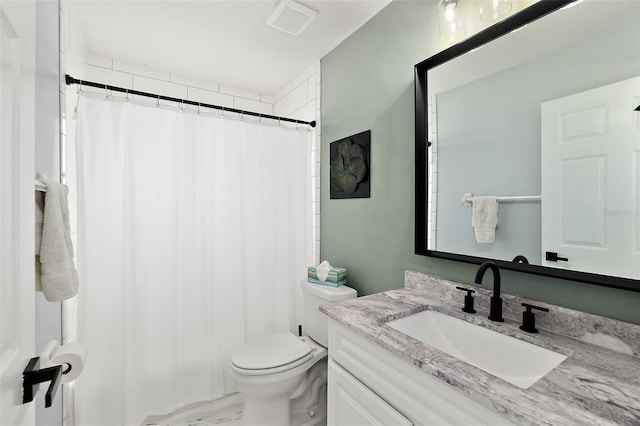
x: 485, y: 218
x: 39, y: 211
x: 58, y: 278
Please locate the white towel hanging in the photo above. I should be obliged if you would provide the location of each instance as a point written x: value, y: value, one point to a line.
x: 56, y: 274
x: 40, y: 184
x: 485, y: 218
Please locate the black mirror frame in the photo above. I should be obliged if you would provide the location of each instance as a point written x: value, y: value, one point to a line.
x: 524, y: 17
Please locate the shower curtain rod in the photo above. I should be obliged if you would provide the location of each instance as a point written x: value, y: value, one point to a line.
x: 70, y: 80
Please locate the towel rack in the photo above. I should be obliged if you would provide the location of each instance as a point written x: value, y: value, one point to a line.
x: 467, y: 199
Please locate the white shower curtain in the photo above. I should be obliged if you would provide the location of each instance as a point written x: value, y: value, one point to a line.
x: 194, y: 233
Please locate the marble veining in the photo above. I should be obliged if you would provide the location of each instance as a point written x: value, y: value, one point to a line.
x: 606, y: 332
x: 598, y: 384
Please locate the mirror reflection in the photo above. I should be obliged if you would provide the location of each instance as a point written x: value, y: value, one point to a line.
x: 543, y: 119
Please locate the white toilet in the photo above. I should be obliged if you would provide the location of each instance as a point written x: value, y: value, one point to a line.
x: 278, y: 368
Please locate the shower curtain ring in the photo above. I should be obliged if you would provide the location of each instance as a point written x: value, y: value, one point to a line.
x: 79, y: 87
x: 158, y: 102
x: 221, y: 111
x: 106, y: 93
x: 127, y: 96
x: 181, y: 105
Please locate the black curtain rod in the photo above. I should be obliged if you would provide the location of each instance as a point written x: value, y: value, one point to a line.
x: 70, y: 80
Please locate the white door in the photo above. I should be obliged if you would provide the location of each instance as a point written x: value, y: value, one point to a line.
x: 591, y: 180
x: 17, y: 122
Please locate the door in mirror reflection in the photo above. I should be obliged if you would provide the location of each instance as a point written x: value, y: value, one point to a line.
x: 590, y: 152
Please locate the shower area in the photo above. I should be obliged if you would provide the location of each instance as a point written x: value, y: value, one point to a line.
x: 192, y: 224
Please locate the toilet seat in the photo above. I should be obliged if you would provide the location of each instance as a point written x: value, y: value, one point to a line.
x: 280, y: 373
x: 271, y: 354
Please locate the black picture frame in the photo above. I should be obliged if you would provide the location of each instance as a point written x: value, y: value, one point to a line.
x: 350, y: 167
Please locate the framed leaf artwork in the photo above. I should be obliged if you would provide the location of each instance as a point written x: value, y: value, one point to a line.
x: 350, y: 166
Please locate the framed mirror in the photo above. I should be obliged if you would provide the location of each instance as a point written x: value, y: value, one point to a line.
x: 538, y: 113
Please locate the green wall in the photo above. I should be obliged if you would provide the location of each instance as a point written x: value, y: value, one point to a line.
x: 367, y: 83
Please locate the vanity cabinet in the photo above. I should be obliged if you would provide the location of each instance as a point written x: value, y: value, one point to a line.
x: 368, y: 385
x: 355, y: 404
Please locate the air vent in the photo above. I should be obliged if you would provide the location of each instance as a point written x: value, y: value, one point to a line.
x: 290, y: 17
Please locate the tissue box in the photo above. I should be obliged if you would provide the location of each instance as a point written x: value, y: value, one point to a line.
x: 336, y: 277
x: 330, y: 283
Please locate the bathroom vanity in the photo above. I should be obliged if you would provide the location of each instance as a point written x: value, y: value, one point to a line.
x: 368, y: 385
x: 380, y: 375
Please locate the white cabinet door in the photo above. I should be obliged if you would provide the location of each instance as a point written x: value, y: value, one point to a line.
x: 590, y: 174
x: 17, y: 289
x: 350, y: 403
x: 394, y: 384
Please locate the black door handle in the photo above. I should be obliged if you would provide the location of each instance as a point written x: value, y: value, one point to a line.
x: 33, y: 375
x: 552, y: 256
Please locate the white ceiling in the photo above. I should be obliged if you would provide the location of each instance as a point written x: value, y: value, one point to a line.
x: 221, y: 41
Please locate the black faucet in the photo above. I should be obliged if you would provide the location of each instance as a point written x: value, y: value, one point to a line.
x: 495, y: 312
x: 520, y: 259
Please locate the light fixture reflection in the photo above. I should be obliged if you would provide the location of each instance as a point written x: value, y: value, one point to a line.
x: 452, y: 28
x: 493, y: 10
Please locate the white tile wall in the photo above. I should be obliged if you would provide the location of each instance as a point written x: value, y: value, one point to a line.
x: 252, y: 105
x: 209, y: 97
x: 301, y: 99
x: 161, y: 87
x: 432, y: 184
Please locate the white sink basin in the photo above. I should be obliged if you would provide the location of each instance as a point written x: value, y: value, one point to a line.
x: 513, y: 360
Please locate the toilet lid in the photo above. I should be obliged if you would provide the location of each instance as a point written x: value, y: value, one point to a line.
x: 270, y: 351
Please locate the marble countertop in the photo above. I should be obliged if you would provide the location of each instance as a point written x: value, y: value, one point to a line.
x: 595, y: 385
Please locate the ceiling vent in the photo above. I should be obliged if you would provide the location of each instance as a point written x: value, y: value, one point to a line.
x: 290, y: 17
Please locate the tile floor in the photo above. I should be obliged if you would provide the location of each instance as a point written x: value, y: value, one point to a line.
x: 225, y: 411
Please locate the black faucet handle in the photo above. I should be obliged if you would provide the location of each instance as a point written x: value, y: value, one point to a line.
x: 468, y: 300
x: 530, y: 307
x: 529, y: 318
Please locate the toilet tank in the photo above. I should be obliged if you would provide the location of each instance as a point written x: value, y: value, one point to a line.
x: 314, y: 295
